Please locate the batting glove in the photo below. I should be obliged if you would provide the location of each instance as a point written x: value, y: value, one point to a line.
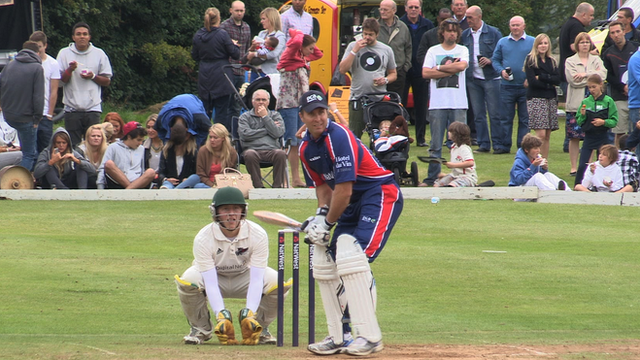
x: 251, y: 329
x: 224, y: 329
x: 318, y: 231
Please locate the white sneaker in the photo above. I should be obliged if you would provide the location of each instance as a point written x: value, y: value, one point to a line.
x: 195, y: 337
x: 329, y: 347
x: 362, y: 346
x: 266, y: 338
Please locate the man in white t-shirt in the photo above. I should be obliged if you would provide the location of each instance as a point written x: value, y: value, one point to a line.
x: 51, y: 83
x: 231, y: 256
x: 444, y: 65
x: 372, y: 66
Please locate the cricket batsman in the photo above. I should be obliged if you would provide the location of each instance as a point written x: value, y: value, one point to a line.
x: 230, y: 261
x: 361, y: 199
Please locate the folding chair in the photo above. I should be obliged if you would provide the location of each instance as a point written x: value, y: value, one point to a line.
x: 237, y: 144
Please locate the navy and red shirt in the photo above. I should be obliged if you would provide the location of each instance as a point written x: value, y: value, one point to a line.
x: 337, y: 156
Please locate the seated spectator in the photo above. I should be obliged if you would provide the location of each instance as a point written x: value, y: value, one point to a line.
x: 215, y: 155
x: 628, y: 162
x: 463, y: 165
x: 190, y: 108
x: 10, y: 153
x: 531, y: 169
x: 93, y: 148
x: 260, y: 130
x: 153, y: 145
x: 604, y: 175
x: 118, y: 124
x: 178, y: 159
x: 122, y: 166
x: 60, y: 167
x: 107, y: 129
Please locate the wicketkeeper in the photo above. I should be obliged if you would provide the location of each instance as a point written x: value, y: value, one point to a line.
x: 230, y: 261
x: 361, y: 199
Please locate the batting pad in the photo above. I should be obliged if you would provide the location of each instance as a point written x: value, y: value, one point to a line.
x: 353, y: 268
x: 326, y: 275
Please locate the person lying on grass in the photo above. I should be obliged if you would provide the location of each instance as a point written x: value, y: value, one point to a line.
x: 604, y: 175
x: 531, y: 169
x: 462, y: 164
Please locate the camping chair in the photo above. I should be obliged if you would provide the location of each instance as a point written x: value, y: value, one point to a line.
x: 237, y: 144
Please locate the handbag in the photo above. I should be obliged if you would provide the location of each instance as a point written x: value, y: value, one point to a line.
x: 234, y: 178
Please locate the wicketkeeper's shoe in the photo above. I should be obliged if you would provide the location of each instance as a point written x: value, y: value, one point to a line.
x: 361, y: 346
x: 195, y: 337
x: 266, y: 338
x: 327, y: 347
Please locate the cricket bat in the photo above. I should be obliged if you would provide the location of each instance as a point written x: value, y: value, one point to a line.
x: 276, y: 218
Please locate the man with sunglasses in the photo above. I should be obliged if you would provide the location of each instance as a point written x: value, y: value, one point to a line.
x: 418, y: 26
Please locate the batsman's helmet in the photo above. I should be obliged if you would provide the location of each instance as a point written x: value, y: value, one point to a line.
x: 228, y: 196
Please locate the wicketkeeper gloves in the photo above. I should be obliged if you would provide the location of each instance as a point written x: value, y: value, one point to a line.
x: 224, y: 329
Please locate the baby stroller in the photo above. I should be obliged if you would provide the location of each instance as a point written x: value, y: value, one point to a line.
x: 263, y: 82
x: 394, y: 153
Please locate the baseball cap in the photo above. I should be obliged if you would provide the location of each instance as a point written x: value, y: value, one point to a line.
x: 312, y: 100
x: 130, y: 126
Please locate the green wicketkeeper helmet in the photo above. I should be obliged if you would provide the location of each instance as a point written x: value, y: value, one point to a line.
x: 228, y: 196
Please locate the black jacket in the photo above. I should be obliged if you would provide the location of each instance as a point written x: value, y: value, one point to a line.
x: 213, y: 49
x: 168, y: 167
x: 608, y: 42
x: 424, y: 25
x: 616, y: 60
x: 548, y: 76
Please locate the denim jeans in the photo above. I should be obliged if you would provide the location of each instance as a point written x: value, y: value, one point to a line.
x: 439, y: 120
x: 512, y: 95
x: 27, y: 133
x: 45, y: 131
x: 192, y: 181
x: 483, y: 96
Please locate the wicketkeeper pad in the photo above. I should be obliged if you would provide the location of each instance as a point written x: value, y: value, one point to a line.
x: 224, y: 329
x: 251, y: 329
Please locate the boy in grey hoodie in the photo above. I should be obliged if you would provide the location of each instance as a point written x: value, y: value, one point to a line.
x: 22, y: 98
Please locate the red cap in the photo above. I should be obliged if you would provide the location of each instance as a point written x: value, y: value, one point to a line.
x: 128, y: 127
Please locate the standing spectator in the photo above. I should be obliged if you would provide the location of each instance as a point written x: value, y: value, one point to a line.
x: 294, y: 81
x: 51, y: 83
x: 542, y: 104
x: 212, y: 48
x: 459, y: 8
x: 615, y: 60
x: 395, y: 33
x: 215, y: 155
x: 483, y: 81
x: 122, y: 165
x: 625, y: 17
x: 118, y: 126
x: 634, y: 96
x: 190, y: 108
x: 418, y: 26
x: 372, y: 66
x: 511, y: 53
x: 240, y: 32
x: 568, y: 32
x: 444, y: 64
x: 22, y: 99
x: 59, y: 166
x: 577, y: 69
x: 596, y: 116
x: 296, y: 18
x: 270, y: 20
x: 82, y: 89
x: 570, y: 29
x: 260, y: 130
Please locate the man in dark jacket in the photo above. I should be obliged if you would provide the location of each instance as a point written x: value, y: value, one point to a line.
x: 615, y: 59
x: 22, y: 99
x: 625, y: 17
x: 483, y: 81
x: 418, y: 26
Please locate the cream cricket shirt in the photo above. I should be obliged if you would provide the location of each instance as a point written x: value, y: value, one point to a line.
x: 229, y: 257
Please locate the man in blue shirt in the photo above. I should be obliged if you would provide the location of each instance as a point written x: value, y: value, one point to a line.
x: 510, y: 54
x: 355, y: 191
x: 634, y: 92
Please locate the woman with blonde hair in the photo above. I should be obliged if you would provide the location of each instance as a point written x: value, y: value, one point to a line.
x: 212, y: 48
x: 93, y: 148
x: 215, y: 155
x: 270, y: 20
x: 152, y: 145
x: 577, y: 69
x: 542, y: 104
